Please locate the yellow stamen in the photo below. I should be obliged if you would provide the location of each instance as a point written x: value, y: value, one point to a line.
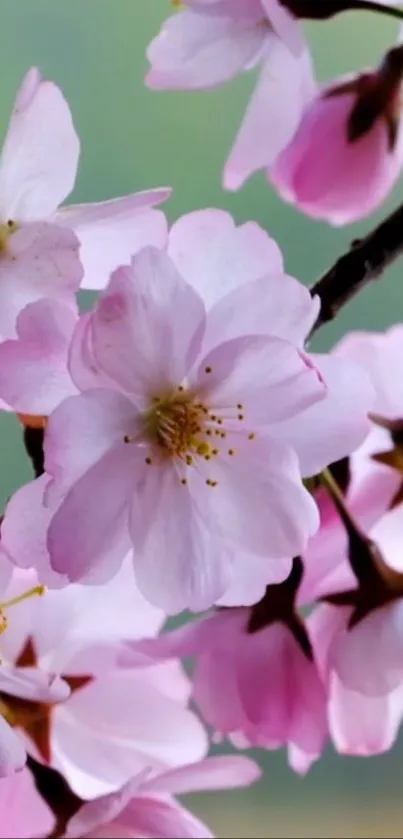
x: 32, y: 592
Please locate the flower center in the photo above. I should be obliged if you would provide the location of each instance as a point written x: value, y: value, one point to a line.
x: 177, y: 424
x: 6, y: 230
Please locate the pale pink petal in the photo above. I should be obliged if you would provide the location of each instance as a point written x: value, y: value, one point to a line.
x: 284, y: 87
x: 148, y: 326
x: 34, y: 377
x: 250, y: 576
x: 267, y: 375
x: 24, y: 528
x: 377, y: 353
x: 40, y: 155
x: 149, y: 817
x: 285, y: 25
x: 215, y: 256
x: 363, y: 725
x: 213, y: 773
x: 200, y: 51
x: 260, y: 502
x: 102, y: 811
x: 196, y: 570
x: 42, y: 260
x: 326, y: 432
x: 82, y: 430
x: 150, y: 730
x: 87, y: 537
x: 382, y: 633
x: 12, y: 752
x: 274, y: 304
x: 33, y: 684
x: 83, y: 369
x: 112, y: 231
x: 24, y: 813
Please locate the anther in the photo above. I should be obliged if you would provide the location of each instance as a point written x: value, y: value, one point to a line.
x: 241, y: 416
x: 189, y: 460
x: 219, y: 421
x: 231, y: 451
x: 208, y: 369
x: 148, y: 461
x: 184, y: 481
x: 215, y: 451
x: 127, y: 438
x: 239, y: 406
x: 251, y: 436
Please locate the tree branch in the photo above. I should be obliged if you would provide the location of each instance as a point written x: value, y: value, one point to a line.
x: 366, y: 261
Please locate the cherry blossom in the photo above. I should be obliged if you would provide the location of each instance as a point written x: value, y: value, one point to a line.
x: 144, y: 807
x: 208, y: 43
x: 347, y: 152
x: 38, y: 167
x: 76, y: 632
x: 186, y: 438
x: 255, y: 679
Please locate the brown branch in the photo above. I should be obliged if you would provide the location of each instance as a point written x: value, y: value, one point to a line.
x: 366, y: 261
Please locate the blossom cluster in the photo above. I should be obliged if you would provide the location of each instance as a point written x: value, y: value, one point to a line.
x: 193, y: 455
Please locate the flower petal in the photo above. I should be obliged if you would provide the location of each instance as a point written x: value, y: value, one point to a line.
x: 34, y: 377
x: 283, y: 89
x: 112, y: 231
x: 212, y: 773
x: 325, y: 431
x: 148, y: 326
x: 87, y: 536
x: 42, y: 260
x: 260, y: 503
x: 40, y: 155
x: 12, y: 752
x: 275, y: 305
x: 200, y: 50
x: 216, y: 257
x: 177, y: 564
x: 268, y: 376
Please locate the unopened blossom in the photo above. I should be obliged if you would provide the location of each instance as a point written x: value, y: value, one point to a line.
x: 145, y: 806
x: 23, y: 812
x: 208, y: 43
x: 110, y: 721
x: 347, y: 152
x: 38, y: 167
x: 185, y: 437
x: 255, y: 680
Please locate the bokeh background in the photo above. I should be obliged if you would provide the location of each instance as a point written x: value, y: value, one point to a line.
x: 134, y: 139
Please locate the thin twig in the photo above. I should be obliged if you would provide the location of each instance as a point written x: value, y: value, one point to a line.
x: 366, y: 261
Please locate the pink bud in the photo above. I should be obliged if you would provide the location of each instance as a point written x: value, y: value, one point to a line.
x: 347, y: 153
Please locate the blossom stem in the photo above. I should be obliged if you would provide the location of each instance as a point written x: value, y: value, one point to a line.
x: 325, y: 9
x: 366, y: 261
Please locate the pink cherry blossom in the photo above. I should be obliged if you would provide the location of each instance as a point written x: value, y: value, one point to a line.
x: 115, y: 721
x: 209, y: 43
x: 38, y: 167
x: 185, y: 436
x: 23, y: 813
x: 34, y: 375
x: 347, y: 152
x: 144, y: 807
x: 260, y: 688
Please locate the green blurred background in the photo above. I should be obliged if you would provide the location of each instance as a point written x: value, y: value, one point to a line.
x: 134, y: 139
